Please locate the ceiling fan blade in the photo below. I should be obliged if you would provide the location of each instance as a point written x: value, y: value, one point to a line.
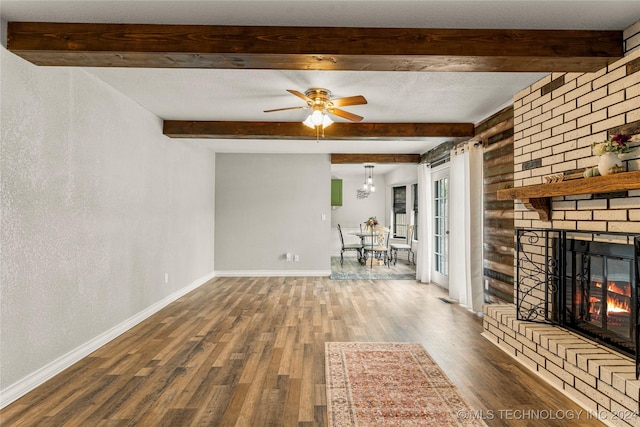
x: 349, y: 100
x: 284, y: 109
x: 346, y: 115
x: 301, y: 95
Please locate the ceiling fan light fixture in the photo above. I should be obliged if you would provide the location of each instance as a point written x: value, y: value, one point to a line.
x: 317, y: 118
x: 307, y: 122
x: 321, y: 105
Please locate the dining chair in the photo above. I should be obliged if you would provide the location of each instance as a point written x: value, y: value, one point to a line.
x: 408, y: 246
x: 379, y: 248
x: 348, y: 247
x: 366, y: 239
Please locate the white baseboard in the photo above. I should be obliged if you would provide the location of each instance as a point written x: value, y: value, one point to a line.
x: 271, y: 273
x: 33, y: 380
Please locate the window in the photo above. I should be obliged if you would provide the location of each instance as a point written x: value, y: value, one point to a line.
x: 400, y: 212
x: 414, y: 188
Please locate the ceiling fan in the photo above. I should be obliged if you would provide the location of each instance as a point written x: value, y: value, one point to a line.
x: 320, y: 102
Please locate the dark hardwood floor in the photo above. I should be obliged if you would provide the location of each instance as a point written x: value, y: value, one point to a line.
x: 250, y: 352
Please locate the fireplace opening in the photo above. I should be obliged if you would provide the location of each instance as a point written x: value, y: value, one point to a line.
x: 601, y: 292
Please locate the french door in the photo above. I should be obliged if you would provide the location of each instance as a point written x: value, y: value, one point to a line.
x: 440, y: 261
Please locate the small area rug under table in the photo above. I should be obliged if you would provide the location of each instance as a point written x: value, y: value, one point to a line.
x: 390, y: 384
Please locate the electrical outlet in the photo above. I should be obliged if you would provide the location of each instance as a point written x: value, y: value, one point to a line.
x: 296, y: 258
x: 288, y: 257
x: 166, y: 277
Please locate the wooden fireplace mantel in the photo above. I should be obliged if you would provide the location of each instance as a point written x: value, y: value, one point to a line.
x: 538, y: 197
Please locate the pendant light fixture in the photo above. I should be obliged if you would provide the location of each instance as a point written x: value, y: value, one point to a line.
x: 368, y: 186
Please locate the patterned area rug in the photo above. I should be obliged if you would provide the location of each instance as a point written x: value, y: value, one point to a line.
x: 390, y: 384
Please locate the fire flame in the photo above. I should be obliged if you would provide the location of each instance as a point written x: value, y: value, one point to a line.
x: 612, y: 287
x: 614, y: 305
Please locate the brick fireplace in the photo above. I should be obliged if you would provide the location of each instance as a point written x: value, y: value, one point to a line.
x: 556, y: 121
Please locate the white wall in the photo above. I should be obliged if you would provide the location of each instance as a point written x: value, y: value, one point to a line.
x: 97, y: 205
x: 402, y: 175
x: 268, y: 205
x: 355, y: 211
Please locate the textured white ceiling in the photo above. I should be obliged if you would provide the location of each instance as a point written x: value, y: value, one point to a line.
x: 392, y: 96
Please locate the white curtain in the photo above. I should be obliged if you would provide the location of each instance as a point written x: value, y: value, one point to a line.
x: 425, y: 234
x: 465, y: 228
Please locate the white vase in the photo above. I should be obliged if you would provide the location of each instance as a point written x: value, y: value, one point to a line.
x: 608, y: 161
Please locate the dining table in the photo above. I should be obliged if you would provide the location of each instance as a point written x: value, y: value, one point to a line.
x: 362, y: 235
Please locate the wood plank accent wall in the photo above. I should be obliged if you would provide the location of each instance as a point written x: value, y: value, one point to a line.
x: 496, y: 134
x: 440, y: 154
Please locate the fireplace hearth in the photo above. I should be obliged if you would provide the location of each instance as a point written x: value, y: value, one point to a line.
x: 586, y: 282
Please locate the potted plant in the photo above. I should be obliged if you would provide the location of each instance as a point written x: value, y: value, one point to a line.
x: 608, y: 151
x: 370, y: 223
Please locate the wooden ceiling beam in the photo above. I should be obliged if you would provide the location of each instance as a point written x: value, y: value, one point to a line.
x: 296, y: 130
x: 313, y: 48
x: 339, y: 158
